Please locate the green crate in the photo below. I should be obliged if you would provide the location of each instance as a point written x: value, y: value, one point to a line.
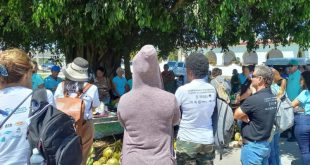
x: 107, y: 126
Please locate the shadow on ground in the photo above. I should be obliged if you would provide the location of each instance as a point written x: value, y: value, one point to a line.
x: 290, y: 154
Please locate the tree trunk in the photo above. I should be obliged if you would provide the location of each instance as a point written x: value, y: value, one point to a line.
x: 127, y: 64
x: 107, y: 58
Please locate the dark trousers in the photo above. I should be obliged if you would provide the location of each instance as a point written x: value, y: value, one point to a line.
x: 302, y: 134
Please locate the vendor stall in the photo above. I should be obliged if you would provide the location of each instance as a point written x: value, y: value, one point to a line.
x: 106, y: 122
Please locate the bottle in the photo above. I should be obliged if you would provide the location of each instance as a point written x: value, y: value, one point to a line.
x: 36, y: 158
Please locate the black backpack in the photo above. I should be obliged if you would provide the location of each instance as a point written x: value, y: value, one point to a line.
x: 53, y: 133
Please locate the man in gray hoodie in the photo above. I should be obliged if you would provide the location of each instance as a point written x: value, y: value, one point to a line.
x: 148, y: 114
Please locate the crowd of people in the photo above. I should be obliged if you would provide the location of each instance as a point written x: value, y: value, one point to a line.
x: 152, y: 103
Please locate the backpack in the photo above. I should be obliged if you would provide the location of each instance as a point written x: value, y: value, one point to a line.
x: 284, y: 118
x: 52, y: 132
x: 221, y: 91
x: 223, y: 125
x: 73, y: 106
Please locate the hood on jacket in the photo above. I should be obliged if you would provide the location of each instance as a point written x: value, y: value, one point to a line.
x: 146, y: 70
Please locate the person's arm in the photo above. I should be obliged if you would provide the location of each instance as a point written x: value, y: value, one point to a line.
x: 177, y: 114
x: 282, y: 88
x: 114, y: 88
x: 240, y: 115
x: 95, y: 101
x: 244, y: 95
x: 59, y: 91
x: 172, y: 76
x: 301, y: 98
x: 127, y: 88
x: 179, y: 99
x: 295, y: 103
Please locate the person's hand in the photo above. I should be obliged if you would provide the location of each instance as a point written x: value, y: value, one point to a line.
x: 298, y: 109
x: 245, y: 119
x: 237, y: 101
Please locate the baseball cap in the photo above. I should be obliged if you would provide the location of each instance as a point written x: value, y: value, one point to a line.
x: 293, y: 62
x: 55, y: 68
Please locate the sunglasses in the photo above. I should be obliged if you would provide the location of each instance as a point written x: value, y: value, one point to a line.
x: 255, y: 76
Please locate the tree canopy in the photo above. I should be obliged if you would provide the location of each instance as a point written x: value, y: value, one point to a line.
x: 103, y: 32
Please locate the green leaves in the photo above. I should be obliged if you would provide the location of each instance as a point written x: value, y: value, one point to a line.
x: 110, y: 24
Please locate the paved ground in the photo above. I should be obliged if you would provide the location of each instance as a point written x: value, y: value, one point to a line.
x: 289, y: 155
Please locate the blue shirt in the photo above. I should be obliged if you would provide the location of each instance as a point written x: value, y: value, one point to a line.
x: 242, y: 78
x: 37, y: 80
x: 51, y: 83
x: 304, y: 99
x: 293, y: 85
x: 120, y: 84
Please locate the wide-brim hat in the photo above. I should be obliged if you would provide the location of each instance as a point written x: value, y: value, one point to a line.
x: 77, y: 70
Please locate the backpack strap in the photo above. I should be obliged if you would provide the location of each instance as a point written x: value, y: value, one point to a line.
x: 85, y: 89
x: 21, y: 103
x: 87, y: 86
x: 79, y: 124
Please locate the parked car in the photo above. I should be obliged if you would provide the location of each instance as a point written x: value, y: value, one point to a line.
x: 48, y: 65
x: 172, y: 65
x: 180, y: 69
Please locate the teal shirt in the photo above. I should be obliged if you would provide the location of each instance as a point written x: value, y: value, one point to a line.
x: 304, y: 99
x: 51, y: 83
x: 242, y: 78
x: 130, y: 83
x: 293, y: 85
x: 37, y: 80
x: 120, y: 83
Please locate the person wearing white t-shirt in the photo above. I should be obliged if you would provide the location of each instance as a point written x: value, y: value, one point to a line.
x: 197, y: 101
x: 76, y: 80
x: 15, y: 87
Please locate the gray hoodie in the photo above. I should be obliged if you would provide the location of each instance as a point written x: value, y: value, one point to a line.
x: 148, y: 114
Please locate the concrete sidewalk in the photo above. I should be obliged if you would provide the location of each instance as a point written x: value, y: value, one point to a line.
x: 289, y: 155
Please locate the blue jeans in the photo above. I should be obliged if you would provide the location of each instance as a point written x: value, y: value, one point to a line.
x: 255, y: 153
x: 274, y: 158
x: 302, y: 134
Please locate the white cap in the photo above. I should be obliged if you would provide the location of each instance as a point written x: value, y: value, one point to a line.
x: 35, y: 151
